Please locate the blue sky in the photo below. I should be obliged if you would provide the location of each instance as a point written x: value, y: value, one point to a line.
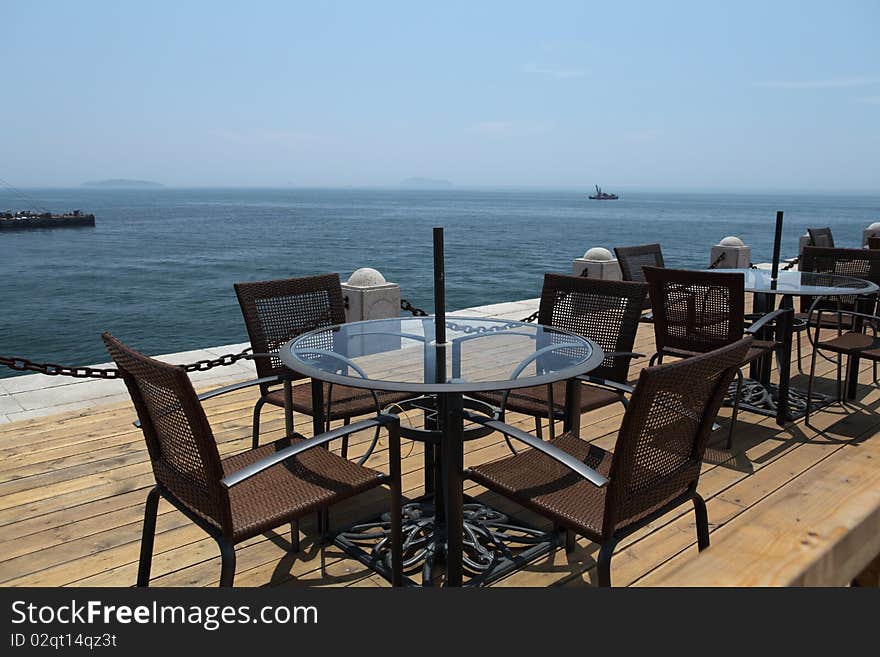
x: 675, y: 95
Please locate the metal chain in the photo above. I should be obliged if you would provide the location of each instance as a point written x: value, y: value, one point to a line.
x: 469, y: 330
x: 53, y: 369
x: 718, y: 260
x: 408, y: 307
x: 792, y: 264
x: 531, y: 318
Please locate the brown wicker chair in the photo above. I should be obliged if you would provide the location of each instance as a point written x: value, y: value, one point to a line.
x: 858, y: 263
x: 631, y: 260
x: 654, y: 468
x: 240, y: 496
x: 278, y: 311
x: 821, y: 237
x: 697, y: 311
x: 604, y: 311
x: 851, y: 343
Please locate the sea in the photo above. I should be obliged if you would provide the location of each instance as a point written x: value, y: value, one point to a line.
x: 158, y: 267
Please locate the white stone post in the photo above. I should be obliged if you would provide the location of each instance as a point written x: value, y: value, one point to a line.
x: 871, y: 231
x: 730, y: 253
x: 597, y: 263
x: 370, y: 296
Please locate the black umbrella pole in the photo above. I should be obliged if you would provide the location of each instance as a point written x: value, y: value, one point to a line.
x: 439, y: 288
x: 777, y: 243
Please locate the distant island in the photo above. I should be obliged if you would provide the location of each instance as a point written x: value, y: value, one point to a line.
x: 123, y: 183
x: 425, y: 183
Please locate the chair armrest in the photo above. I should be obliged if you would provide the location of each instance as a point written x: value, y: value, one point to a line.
x: 766, y: 319
x: 614, y: 385
x: 288, y: 452
x: 566, y: 459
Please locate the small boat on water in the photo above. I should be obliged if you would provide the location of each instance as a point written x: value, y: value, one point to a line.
x: 602, y: 196
x: 25, y: 219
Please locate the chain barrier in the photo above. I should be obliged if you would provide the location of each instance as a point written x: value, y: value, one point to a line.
x: 531, y: 318
x: 469, y: 330
x: 53, y: 369
x: 791, y: 264
x: 408, y: 307
x: 718, y: 260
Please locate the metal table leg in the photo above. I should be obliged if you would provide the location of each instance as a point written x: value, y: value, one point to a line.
x: 452, y: 460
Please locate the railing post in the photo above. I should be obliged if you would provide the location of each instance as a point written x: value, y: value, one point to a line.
x: 871, y: 231
x: 730, y: 253
x: 369, y: 296
x: 599, y: 263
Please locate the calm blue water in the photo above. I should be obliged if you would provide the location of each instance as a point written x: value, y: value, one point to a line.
x: 158, y: 268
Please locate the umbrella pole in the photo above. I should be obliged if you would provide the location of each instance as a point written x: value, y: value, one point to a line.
x: 777, y: 243
x: 439, y: 305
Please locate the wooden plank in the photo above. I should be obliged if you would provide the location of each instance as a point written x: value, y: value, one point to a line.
x: 823, y: 528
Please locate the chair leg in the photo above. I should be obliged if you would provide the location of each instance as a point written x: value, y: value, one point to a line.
x: 147, y: 537
x: 227, y: 558
x: 604, y: 562
x: 799, y: 353
x: 294, y: 536
x: 257, y: 408
x: 810, y: 382
x: 739, y: 386
x: 569, y: 539
x: 538, y: 431
x: 702, y: 518
x: 345, y: 422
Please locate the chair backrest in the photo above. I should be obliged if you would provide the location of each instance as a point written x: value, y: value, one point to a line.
x: 606, y: 312
x: 278, y: 311
x: 182, y: 448
x: 696, y: 310
x: 857, y: 263
x: 874, y: 243
x: 821, y: 237
x: 664, y: 432
x: 631, y: 260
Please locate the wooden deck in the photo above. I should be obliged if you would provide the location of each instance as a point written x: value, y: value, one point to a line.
x: 72, y: 489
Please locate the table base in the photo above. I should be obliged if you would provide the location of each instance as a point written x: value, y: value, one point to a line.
x: 494, y: 543
x: 757, y: 397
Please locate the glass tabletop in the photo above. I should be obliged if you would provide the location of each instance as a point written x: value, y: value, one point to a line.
x: 802, y: 283
x: 400, y: 354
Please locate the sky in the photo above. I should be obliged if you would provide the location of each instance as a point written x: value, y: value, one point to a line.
x: 675, y: 95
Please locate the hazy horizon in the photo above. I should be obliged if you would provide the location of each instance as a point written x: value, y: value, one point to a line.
x: 688, y: 97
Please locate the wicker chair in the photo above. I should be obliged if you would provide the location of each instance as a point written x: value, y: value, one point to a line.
x: 631, y: 260
x: 238, y: 497
x: 696, y: 312
x: 654, y: 468
x: 821, y: 237
x: 606, y: 312
x: 851, y: 343
x: 858, y: 263
x: 278, y: 311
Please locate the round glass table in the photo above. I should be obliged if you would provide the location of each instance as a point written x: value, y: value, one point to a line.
x: 802, y: 283
x: 780, y: 400
x: 401, y: 354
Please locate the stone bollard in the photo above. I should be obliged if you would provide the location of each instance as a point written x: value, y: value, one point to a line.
x: 370, y: 296
x: 597, y: 263
x: 730, y: 253
x: 871, y: 231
